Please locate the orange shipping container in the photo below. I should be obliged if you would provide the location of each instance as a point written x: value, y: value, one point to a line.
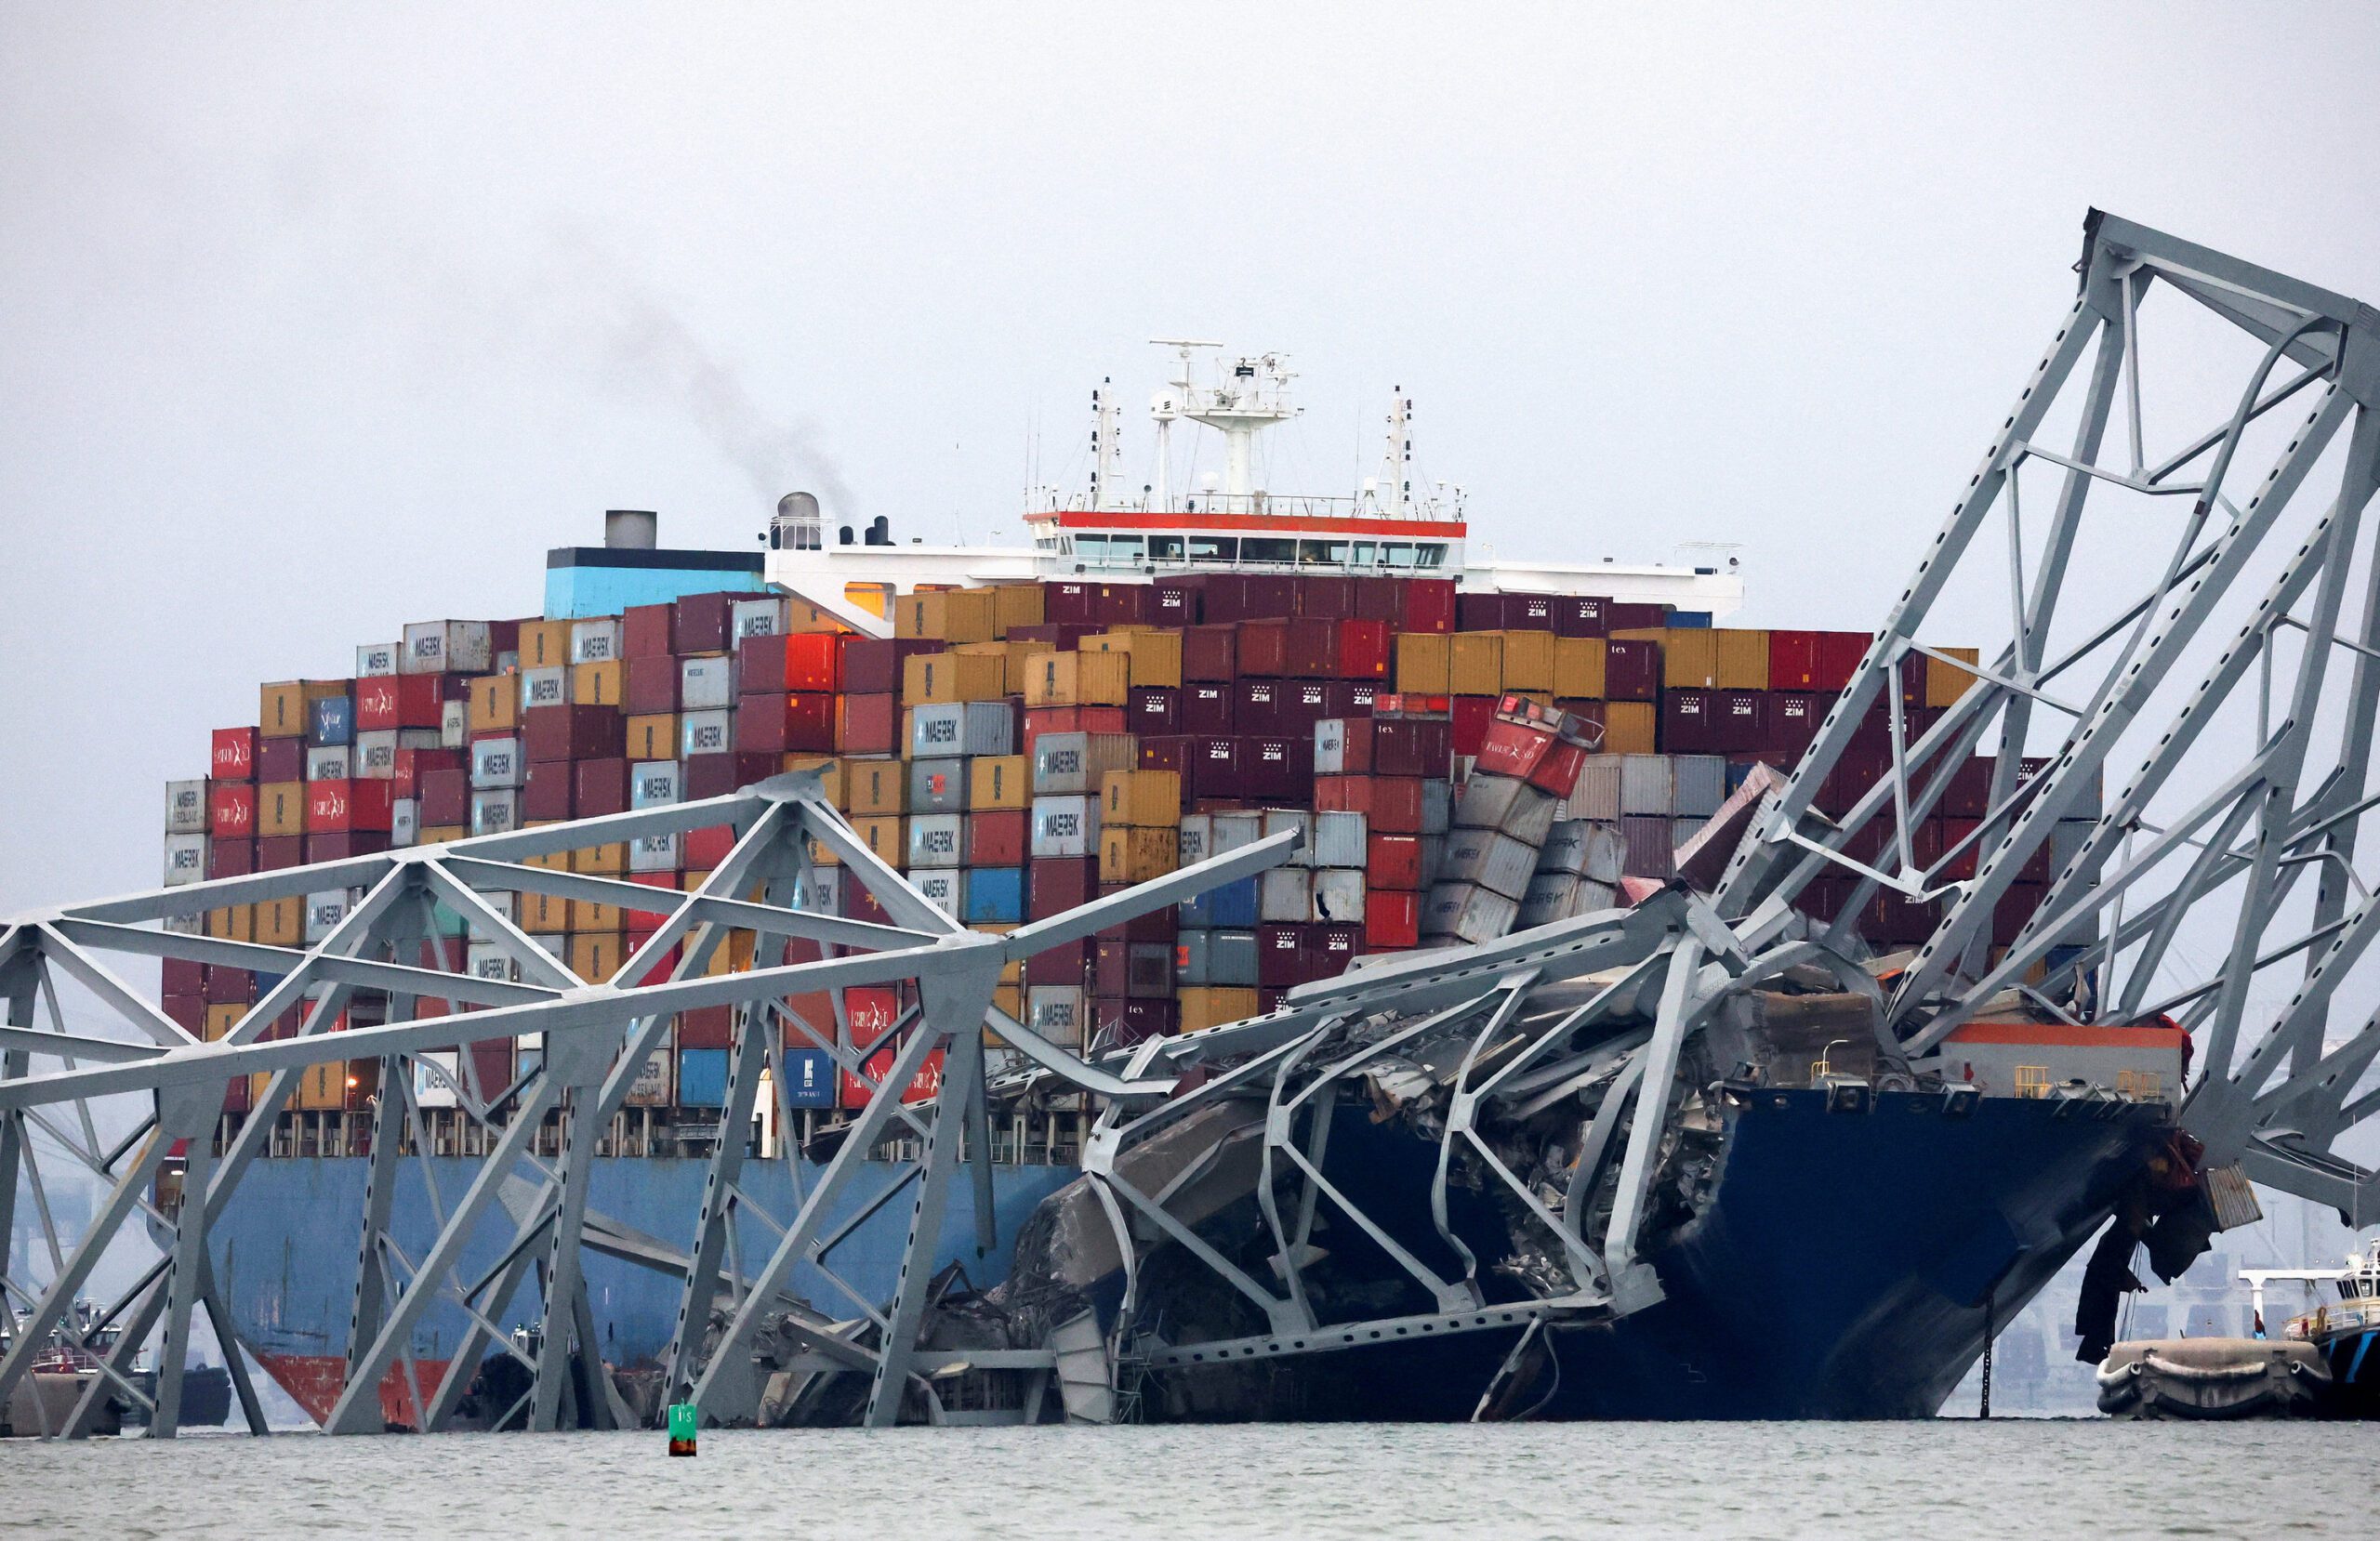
x: 1146, y: 797
x: 999, y: 781
x: 220, y: 1019
x: 1475, y: 663
x: 879, y: 787
x: 1578, y: 668
x: 933, y: 679
x: 280, y: 809
x: 1689, y: 655
x: 1017, y: 605
x: 1076, y: 679
x: 885, y: 836
x: 1945, y: 683
x: 281, y: 710
x: 1423, y: 660
x: 610, y: 861
x: 1155, y: 656
x: 282, y: 922
x: 1210, y: 1006
x: 598, y: 684
x: 1629, y: 727
x: 1136, y: 855
x: 596, y: 955
x: 496, y: 703
x: 544, y: 644
x: 1742, y: 659
x: 1529, y: 660
x: 653, y: 736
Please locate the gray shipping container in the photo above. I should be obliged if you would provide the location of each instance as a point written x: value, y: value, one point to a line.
x: 1340, y: 840
x: 1285, y: 896
x: 405, y: 825
x: 1646, y: 785
x: 1681, y: 831
x: 706, y: 732
x: 1597, y: 792
x: 1338, y: 896
x: 185, y: 860
x: 1548, y: 900
x: 1281, y: 820
x: 1198, y: 838
x: 1075, y: 762
x: 950, y: 728
x: 1437, y: 807
x: 705, y: 685
x: 1566, y: 847
x: 330, y: 763
x: 444, y: 646
x: 497, y: 764
x: 546, y: 686
x: 938, y: 840
x: 453, y: 724
x: 1057, y: 1012
x: 656, y: 783
x: 1192, y: 954
x: 1606, y: 855
x: 945, y: 887
x: 1330, y: 747
x: 1490, y: 859
x: 594, y: 641
x: 1699, y: 784
x: 1483, y: 801
x: 1466, y: 912
x: 1593, y: 896
x: 495, y: 812
x: 758, y: 617
x: 376, y: 660
x: 323, y: 912
x: 1648, y: 850
x: 937, y: 785
x: 1231, y: 957
x: 1066, y: 826
x: 654, y: 854
x: 186, y: 807
x: 1235, y: 830
x: 376, y: 754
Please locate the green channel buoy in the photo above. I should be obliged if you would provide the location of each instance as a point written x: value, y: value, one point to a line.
x: 683, y: 1422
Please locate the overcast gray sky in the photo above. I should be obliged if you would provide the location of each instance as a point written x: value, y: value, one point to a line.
x: 322, y: 319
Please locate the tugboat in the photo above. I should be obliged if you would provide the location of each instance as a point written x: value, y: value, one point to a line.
x: 65, y: 1370
x: 2340, y: 1331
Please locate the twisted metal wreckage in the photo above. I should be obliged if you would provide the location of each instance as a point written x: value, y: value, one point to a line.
x: 1574, y: 1075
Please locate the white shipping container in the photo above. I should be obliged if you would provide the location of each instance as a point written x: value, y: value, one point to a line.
x: 435, y: 1077
x: 651, y: 1087
x: 1198, y: 838
x: 1338, y: 896
x: 938, y: 840
x: 1066, y: 826
x: 1699, y: 784
x: 1330, y: 747
x: 596, y: 640
x: 1282, y: 821
x: 1285, y: 896
x: 1490, y: 859
x: 444, y: 646
x: 1596, y: 795
x: 1234, y: 830
x: 546, y: 686
x: 1075, y: 762
x: 420, y: 738
x: 185, y: 860
x: 1467, y: 913
x: 405, y: 822
x: 186, y: 807
x: 1056, y: 1012
x: 1566, y: 847
x: 706, y: 732
x: 1548, y: 900
x: 498, y: 764
x: 654, y: 854
x: 334, y: 762
x: 323, y: 912
x: 945, y: 728
x: 763, y: 617
x: 656, y: 783
x: 1646, y: 785
x: 1437, y: 807
x: 486, y: 960
x: 944, y: 888
x: 377, y: 660
x: 1606, y: 855
x: 453, y: 724
x: 1593, y: 896
x: 495, y: 812
x: 376, y: 754
x: 705, y: 685
x: 1340, y: 840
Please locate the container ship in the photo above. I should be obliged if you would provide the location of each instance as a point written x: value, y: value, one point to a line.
x: 1164, y: 673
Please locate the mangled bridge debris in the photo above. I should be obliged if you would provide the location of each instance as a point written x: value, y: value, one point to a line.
x: 1415, y: 1189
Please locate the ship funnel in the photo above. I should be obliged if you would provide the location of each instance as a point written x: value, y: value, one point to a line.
x: 797, y: 526
x: 631, y: 528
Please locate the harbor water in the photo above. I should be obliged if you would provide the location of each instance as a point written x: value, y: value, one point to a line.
x: 1946, y: 1478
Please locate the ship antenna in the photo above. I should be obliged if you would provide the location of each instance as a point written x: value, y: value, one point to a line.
x: 1164, y: 407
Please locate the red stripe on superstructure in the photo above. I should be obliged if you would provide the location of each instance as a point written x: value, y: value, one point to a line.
x: 1318, y: 523
x: 2059, y: 1036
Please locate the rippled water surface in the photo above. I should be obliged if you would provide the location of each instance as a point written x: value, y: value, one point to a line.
x: 1938, y: 1480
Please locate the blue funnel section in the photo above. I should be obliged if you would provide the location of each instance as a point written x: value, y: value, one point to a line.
x: 596, y: 579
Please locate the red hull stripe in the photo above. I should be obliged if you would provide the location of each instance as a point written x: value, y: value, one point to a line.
x: 1329, y: 524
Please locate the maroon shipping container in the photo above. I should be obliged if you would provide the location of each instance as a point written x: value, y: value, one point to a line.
x: 857, y: 902
x: 649, y: 631
x: 1633, y: 617
x: 1329, y: 949
x: 1686, y: 722
x: 226, y: 986
x: 1072, y: 603
x: 1126, y: 1023
x: 1311, y: 648
x: 650, y: 685
x: 1256, y: 706
x: 1109, y: 967
x: 446, y: 798
x: 1220, y: 598
x: 600, y: 786
x: 1326, y: 598
x: 1412, y: 746
x: 1738, y: 720
x: 1472, y: 716
x: 1119, y: 604
x: 1279, y: 767
x: 1207, y: 707
x: 340, y: 846
x: 1377, y: 599
x: 573, y: 732
x: 1579, y: 615
x: 548, y: 792
x: 1168, y: 752
x: 1068, y: 964
x: 280, y: 853
x: 800, y: 723
x: 1210, y: 652
x: 1838, y: 658
x: 867, y: 724
x: 1479, y: 612
x: 1528, y: 612
x: 1154, y: 926
x: 707, y: 1027
x: 1429, y: 604
x: 1172, y: 604
x: 1056, y: 884
x: 1631, y: 669
x: 1969, y: 794
x: 281, y: 760
x: 998, y: 837
x: 717, y: 775
x: 1213, y: 768
x: 1793, y: 718
x: 1281, y: 961
x: 1152, y: 710
x: 231, y: 858
x: 1267, y: 595
x: 181, y: 976
x: 703, y: 623
x: 1300, y: 704
x: 1263, y: 648
x: 780, y: 665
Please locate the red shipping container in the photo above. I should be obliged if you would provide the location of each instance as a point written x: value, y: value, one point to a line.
x: 701, y: 850
x: 998, y: 837
x: 1152, y: 710
x: 412, y: 764
x: 1056, y: 884
x: 1509, y: 748
x: 1391, y: 919
x: 707, y: 1027
x: 1471, y: 715
x: 235, y: 858
x: 1838, y: 660
x: 702, y: 621
x: 281, y: 760
x: 1210, y: 652
x: 1312, y: 649
x: 548, y: 792
x: 1686, y: 722
x: 1558, y: 771
x: 375, y: 702
x: 339, y: 846
x: 649, y: 631
x: 1263, y: 648
x: 648, y: 921
x: 1578, y: 615
x: 867, y: 724
x: 1429, y: 604
x: 1392, y: 862
x: 1207, y: 707
x: 573, y: 733
x: 778, y: 665
x: 1326, y: 598
x: 1365, y: 650
x: 1065, y: 965
x: 234, y: 755
x: 717, y: 775
x: 421, y: 698
x: 1281, y: 960
x: 445, y: 797
x: 601, y: 787
x: 650, y: 683
x: 334, y: 807
x: 1793, y: 660
x: 923, y: 1087
x: 1377, y: 599
x: 800, y: 723
x: 280, y: 853
x: 1256, y: 706
x: 231, y: 809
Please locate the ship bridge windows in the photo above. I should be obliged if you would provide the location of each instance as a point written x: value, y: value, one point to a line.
x: 1323, y: 553
x: 1165, y: 549
x: 1266, y: 548
x: 1217, y: 548
x: 1109, y: 550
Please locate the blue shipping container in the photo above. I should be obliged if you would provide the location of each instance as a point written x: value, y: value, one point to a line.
x: 1231, y: 905
x: 331, y: 721
x: 702, y: 1078
x: 995, y: 896
x: 808, y: 1078
x: 1690, y: 620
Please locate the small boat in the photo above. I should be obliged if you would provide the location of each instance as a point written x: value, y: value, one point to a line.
x: 2213, y: 1378
x: 2340, y: 1331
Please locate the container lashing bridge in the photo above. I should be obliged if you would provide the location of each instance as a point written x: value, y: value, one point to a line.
x: 2233, y: 686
